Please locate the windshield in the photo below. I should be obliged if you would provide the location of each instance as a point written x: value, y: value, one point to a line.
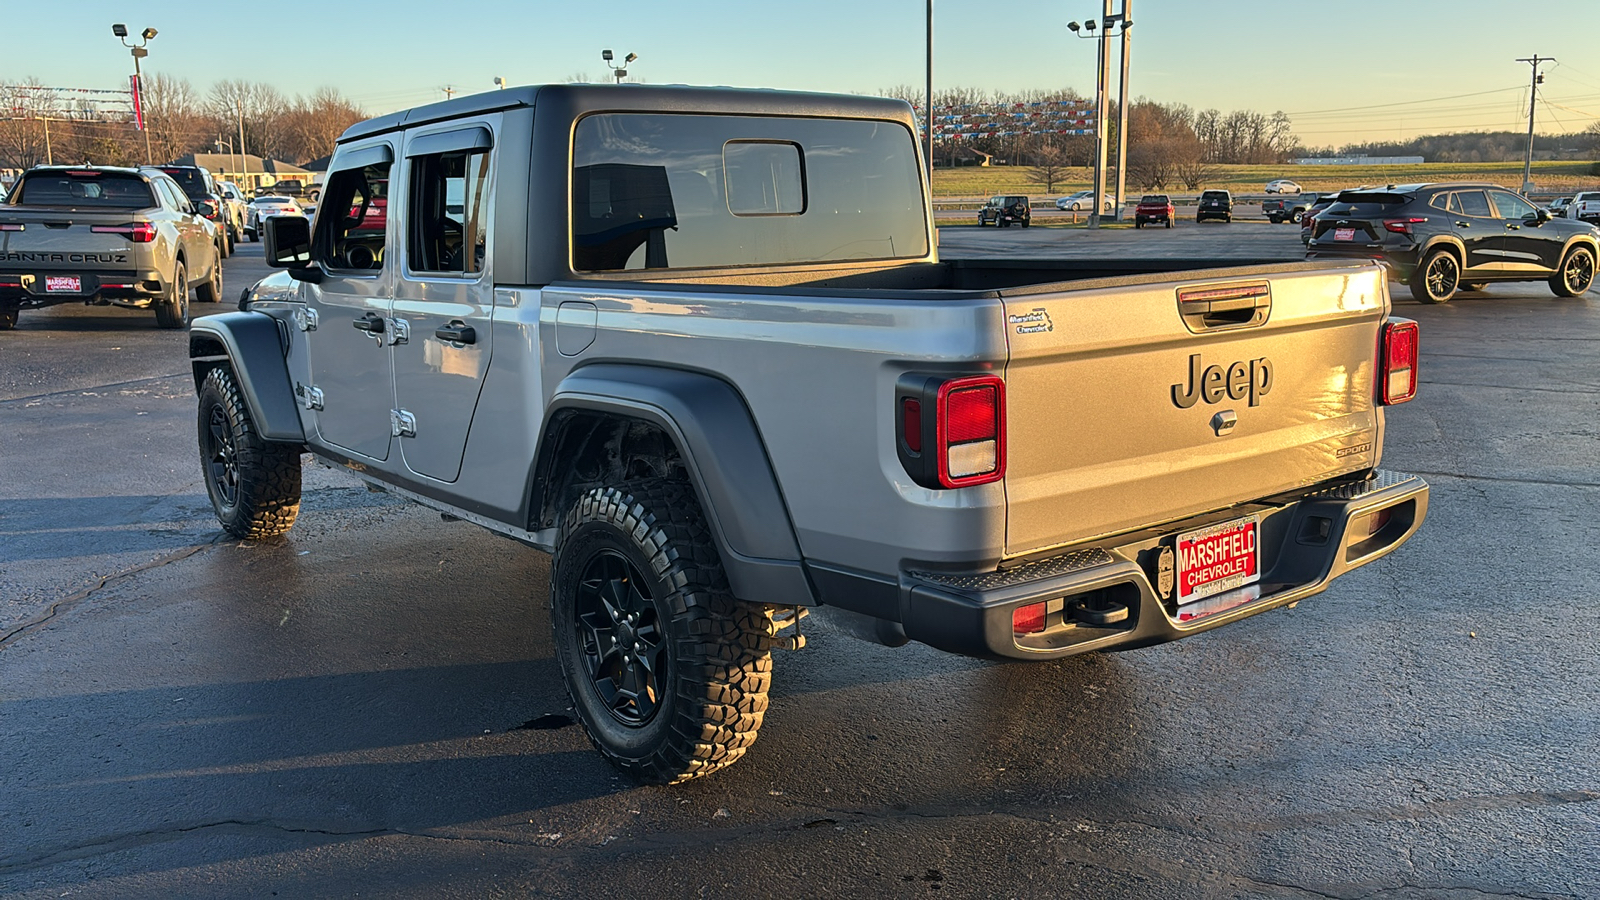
x: 115, y: 190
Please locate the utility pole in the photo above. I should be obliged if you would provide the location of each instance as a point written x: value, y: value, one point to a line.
x: 449, y: 92
x: 1533, y: 98
x: 244, y: 161
x: 927, y: 108
x: 1122, y: 114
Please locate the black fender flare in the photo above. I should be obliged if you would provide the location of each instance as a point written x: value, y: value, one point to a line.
x: 251, y: 344
x: 722, y: 449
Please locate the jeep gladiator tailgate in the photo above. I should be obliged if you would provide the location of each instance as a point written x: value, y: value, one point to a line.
x: 1137, y: 401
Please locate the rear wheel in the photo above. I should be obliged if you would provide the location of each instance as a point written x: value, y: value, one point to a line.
x: 1437, y: 279
x: 254, y: 484
x: 8, y: 319
x: 1576, y: 274
x: 668, y: 672
x: 1169, y: 221
x: 172, y: 310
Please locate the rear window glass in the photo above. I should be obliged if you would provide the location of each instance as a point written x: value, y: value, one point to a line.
x: 1359, y: 209
x: 661, y: 190
x: 113, y: 190
x: 192, y: 182
x: 1153, y: 198
x: 1214, y: 195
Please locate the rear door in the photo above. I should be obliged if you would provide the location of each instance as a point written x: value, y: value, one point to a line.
x: 1151, y: 402
x: 1478, y: 228
x: 444, y: 292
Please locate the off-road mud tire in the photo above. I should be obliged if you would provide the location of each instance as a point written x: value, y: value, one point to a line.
x: 254, y: 484
x: 717, y: 651
x: 172, y: 310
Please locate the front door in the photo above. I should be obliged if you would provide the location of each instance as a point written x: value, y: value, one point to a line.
x: 352, y: 332
x: 444, y: 294
x: 1524, y: 242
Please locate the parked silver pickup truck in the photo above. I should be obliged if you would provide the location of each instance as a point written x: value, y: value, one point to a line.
x: 105, y: 236
x: 699, y: 345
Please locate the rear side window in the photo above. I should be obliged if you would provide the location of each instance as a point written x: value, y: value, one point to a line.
x: 113, y: 190
x: 662, y: 190
x: 449, y: 218
x: 1474, y: 203
x: 191, y: 180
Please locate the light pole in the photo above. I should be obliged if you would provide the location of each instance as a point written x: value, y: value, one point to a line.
x: 619, y: 72
x: 139, y: 52
x: 499, y: 82
x: 1087, y: 31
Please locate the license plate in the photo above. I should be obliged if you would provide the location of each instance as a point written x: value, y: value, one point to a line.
x: 63, y: 284
x: 1218, y: 558
x: 1344, y: 234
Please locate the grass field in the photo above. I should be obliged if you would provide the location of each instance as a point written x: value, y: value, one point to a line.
x: 1551, y: 178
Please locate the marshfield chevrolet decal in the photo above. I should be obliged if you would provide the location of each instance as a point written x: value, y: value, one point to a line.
x: 1033, y: 321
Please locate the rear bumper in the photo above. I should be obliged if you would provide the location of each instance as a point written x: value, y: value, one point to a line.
x: 1399, y: 266
x: 1305, y: 544
x: 28, y: 290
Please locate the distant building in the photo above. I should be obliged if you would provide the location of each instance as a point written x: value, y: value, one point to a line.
x: 1359, y: 161
x: 248, y: 171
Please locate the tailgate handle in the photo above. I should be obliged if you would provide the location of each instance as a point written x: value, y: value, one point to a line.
x: 67, y: 224
x: 1227, y: 306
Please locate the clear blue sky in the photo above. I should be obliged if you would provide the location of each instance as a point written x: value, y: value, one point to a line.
x: 1227, y: 54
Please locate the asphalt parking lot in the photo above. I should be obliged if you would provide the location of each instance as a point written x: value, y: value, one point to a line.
x: 371, y: 707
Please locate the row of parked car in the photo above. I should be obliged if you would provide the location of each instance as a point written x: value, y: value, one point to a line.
x: 140, y: 238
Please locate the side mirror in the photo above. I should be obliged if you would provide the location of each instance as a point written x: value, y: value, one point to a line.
x: 1542, y: 215
x: 287, y: 242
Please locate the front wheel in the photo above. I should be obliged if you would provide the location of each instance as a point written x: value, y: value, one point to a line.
x: 667, y: 671
x: 211, y: 291
x: 254, y: 484
x: 1576, y: 274
x: 1437, y: 279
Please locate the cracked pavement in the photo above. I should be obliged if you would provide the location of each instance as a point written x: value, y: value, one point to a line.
x: 365, y: 707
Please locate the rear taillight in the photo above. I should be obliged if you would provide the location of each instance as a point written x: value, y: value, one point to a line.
x: 1028, y: 619
x: 10, y: 226
x: 1397, y: 366
x: 138, y: 232
x: 963, y: 442
x: 1402, y: 226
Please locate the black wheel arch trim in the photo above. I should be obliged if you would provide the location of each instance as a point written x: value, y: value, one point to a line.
x: 726, y: 459
x: 252, y: 345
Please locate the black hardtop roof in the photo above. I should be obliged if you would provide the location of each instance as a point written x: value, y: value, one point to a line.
x: 1419, y: 187
x: 634, y: 98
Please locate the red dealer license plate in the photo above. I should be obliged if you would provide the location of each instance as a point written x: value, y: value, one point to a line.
x: 1344, y: 234
x: 63, y: 284
x: 1218, y: 558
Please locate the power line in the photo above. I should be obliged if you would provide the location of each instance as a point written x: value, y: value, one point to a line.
x: 1401, y: 103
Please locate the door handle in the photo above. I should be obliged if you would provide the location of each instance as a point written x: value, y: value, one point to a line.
x: 1463, y: 224
x: 457, y: 331
x: 370, y: 323
x: 1513, y: 227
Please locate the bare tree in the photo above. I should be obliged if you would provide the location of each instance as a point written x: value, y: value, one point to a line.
x: 1049, y: 167
x: 310, y: 126
x: 24, y: 135
x: 174, y: 118
x: 261, y: 109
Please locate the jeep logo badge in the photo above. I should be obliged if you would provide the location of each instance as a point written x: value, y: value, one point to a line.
x: 1252, y: 379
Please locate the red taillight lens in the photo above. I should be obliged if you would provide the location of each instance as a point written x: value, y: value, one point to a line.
x: 1028, y: 619
x: 1397, y: 373
x: 911, y: 424
x: 10, y: 226
x: 1402, y: 226
x: 138, y: 232
x: 970, y: 425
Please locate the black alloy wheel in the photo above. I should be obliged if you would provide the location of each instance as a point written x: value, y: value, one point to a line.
x: 667, y: 670
x: 1576, y: 274
x: 254, y: 484
x: 1437, y: 279
x: 620, y: 639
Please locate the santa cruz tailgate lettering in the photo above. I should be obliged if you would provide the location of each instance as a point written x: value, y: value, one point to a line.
x: 23, y: 256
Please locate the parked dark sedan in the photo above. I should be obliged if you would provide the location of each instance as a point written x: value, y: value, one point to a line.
x: 1439, y: 238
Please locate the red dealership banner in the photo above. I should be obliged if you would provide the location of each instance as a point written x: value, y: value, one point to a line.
x: 138, y: 107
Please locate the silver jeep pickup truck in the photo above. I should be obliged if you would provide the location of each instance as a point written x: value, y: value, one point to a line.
x: 699, y: 345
